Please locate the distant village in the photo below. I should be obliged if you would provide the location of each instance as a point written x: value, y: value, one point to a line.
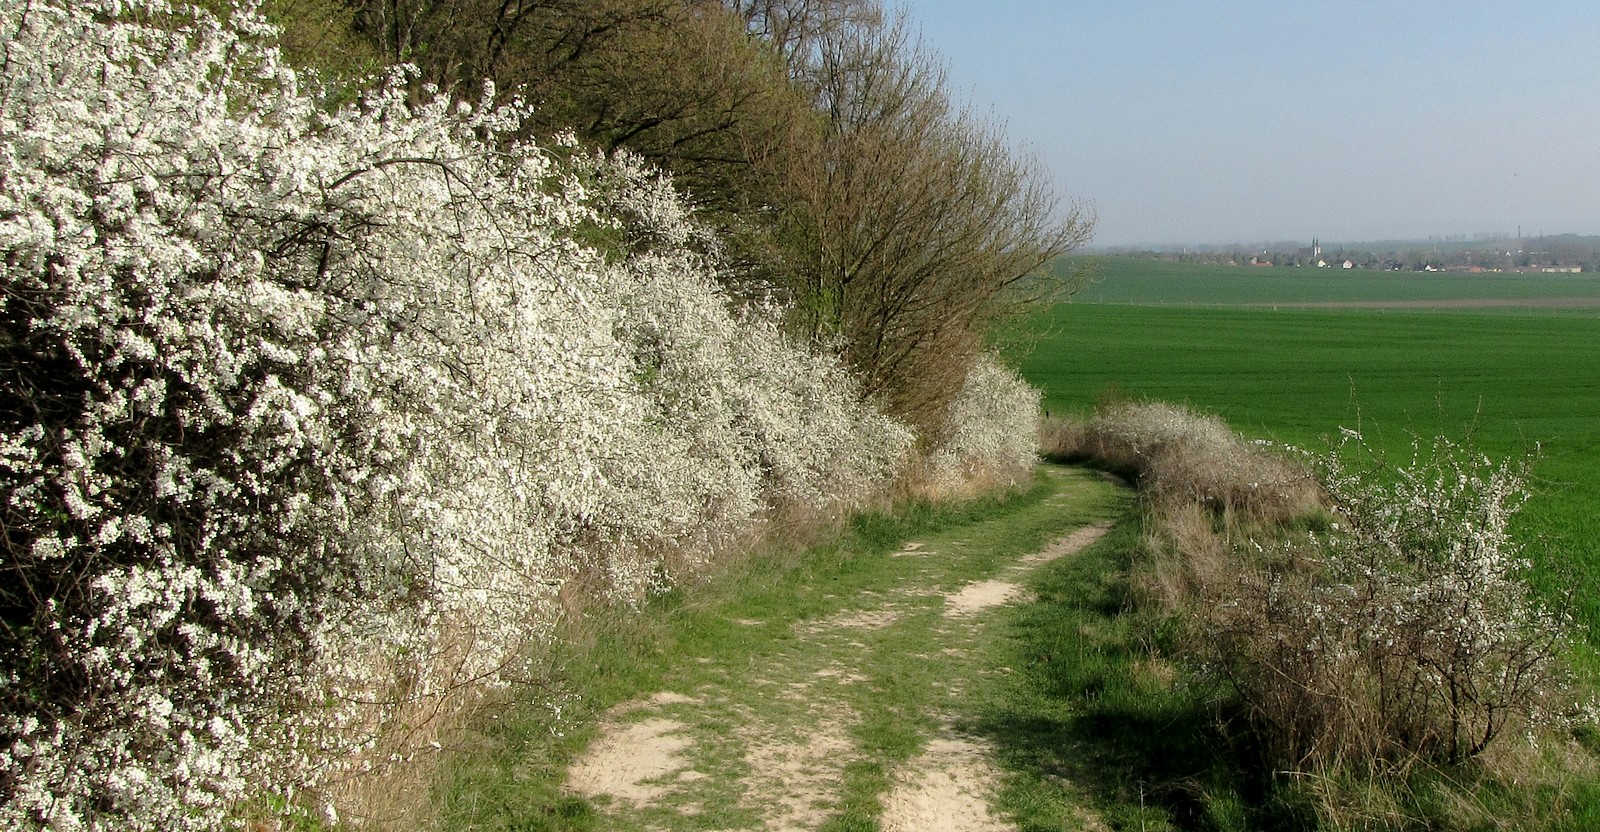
x: 1557, y: 254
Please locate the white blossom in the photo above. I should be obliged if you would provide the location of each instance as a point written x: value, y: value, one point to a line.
x: 991, y: 428
x: 304, y: 400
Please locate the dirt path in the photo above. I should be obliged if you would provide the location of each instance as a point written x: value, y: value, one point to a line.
x: 849, y: 713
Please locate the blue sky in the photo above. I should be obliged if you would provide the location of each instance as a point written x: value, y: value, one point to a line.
x: 1239, y: 121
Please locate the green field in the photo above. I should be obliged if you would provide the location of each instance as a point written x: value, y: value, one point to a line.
x: 1297, y: 375
x: 1151, y: 282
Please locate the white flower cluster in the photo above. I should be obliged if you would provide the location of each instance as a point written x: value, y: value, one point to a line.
x: 290, y: 394
x: 991, y: 430
x: 1426, y: 569
x: 1406, y: 631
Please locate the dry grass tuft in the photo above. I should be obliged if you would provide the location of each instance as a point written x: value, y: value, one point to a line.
x: 405, y: 726
x: 1185, y: 554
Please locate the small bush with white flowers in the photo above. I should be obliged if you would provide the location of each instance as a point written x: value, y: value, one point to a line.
x: 1405, y: 633
x: 991, y: 430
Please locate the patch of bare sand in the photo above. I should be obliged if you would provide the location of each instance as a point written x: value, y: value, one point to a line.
x: 840, y: 675
x: 634, y: 762
x: 1071, y: 544
x: 794, y: 785
x: 981, y: 595
x: 977, y: 597
x: 853, y: 620
x: 665, y: 697
x: 946, y: 789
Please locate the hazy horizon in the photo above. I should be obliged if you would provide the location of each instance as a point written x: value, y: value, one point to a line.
x: 1247, y: 120
x: 1453, y: 238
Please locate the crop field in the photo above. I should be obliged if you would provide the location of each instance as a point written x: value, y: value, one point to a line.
x: 1513, y: 382
x: 1157, y: 283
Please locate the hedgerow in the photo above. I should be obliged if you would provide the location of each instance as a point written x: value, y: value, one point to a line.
x: 1407, y: 632
x: 308, y: 414
x: 1181, y: 457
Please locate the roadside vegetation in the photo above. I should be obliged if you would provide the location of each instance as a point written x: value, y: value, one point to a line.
x: 391, y: 390
x: 1342, y: 641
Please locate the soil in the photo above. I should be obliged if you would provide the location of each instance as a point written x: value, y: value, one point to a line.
x: 945, y: 790
x: 782, y: 731
x: 631, y: 762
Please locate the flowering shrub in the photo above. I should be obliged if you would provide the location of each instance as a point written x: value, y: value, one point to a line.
x: 1407, y: 632
x: 991, y: 430
x: 294, y: 398
x: 1369, y: 617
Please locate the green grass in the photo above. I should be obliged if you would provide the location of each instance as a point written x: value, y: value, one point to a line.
x: 1298, y: 375
x: 1091, y: 720
x: 1104, y: 723
x: 1124, y: 280
x: 738, y: 641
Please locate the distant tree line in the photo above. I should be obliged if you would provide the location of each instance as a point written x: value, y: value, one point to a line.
x: 1562, y: 251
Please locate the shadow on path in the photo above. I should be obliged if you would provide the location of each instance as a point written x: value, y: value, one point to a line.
x: 1096, y: 711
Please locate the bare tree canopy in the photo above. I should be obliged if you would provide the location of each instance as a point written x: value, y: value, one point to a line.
x: 912, y: 222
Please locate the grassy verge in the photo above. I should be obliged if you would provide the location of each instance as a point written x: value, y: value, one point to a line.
x: 1103, y: 727
x: 760, y: 659
x: 1098, y: 724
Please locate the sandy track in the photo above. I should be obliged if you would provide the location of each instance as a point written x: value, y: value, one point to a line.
x: 946, y: 789
x: 791, y: 728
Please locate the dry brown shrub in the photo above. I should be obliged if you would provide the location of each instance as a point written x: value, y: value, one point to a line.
x: 1245, y: 483
x: 1180, y: 457
x: 922, y: 480
x: 1062, y: 438
x: 1185, y: 552
x: 1313, y: 701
